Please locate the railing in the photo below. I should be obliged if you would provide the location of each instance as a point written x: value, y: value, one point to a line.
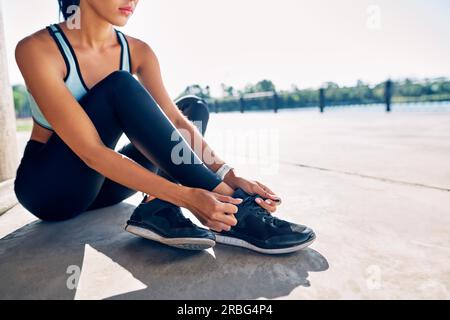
x: 384, y: 94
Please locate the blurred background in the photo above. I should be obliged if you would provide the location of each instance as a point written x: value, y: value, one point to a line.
x: 233, y: 49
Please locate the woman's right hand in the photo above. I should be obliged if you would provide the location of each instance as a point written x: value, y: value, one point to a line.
x: 214, y: 210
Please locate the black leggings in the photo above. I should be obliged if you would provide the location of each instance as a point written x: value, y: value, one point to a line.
x: 54, y: 184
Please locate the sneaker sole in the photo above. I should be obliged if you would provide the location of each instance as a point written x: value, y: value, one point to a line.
x: 181, y: 243
x: 244, y: 244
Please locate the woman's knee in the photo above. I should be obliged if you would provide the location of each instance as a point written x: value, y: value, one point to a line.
x: 190, y: 104
x: 120, y: 75
x: 120, y: 78
x: 117, y: 90
x: 119, y: 81
x: 195, y: 109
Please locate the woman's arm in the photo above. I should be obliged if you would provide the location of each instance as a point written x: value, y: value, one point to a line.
x: 149, y: 74
x: 74, y: 127
x: 44, y: 80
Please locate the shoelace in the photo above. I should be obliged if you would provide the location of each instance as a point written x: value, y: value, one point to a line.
x: 260, y: 211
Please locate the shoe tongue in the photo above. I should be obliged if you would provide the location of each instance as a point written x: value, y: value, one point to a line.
x: 168, y: 211
x: 239, y: 193
x: 247, y: 200
x: 156, y: 205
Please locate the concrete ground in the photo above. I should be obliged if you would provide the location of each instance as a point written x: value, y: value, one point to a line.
x: 375, y: 187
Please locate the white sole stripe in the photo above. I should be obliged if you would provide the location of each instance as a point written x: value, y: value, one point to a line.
x: 185, y: 243
x: 244, y: 244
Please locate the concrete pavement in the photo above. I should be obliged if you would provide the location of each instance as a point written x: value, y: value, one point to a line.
x: 374, y: 187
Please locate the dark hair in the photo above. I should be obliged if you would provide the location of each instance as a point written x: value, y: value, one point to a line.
x: 64, y: 4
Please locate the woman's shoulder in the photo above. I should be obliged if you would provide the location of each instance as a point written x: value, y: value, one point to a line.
x: 141, y: 51
x: 40, y: 49
x: 37, y: 42
x: 138, y: 44
x: 39, y: 37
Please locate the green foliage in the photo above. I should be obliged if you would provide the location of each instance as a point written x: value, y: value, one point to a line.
x: 407, y: 90
x: 197, y: 90
x: 228, y: 91
x: 21, y: 103
x: 261, y: 86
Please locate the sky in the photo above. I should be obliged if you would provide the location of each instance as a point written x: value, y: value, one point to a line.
x: 291, y: 42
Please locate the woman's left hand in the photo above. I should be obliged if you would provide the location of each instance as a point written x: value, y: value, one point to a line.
x: 254, y: 187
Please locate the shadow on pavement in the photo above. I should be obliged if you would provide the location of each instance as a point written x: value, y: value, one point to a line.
x: 35, y: 258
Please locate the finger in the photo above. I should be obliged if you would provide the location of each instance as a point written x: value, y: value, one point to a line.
x: 265, y: 187
x: 228, y: 219
x: 218, y: 226
x: 228, y: 199
x: 272, y: 194
x: 227, y: 208
x: 267, y: 204
x: 271, y: 208
x: 263, y: 193
x: 202, y: 220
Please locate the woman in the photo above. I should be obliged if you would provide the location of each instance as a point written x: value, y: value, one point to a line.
x: 83, y: 98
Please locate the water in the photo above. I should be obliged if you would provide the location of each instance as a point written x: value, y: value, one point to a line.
x: 399, y: 107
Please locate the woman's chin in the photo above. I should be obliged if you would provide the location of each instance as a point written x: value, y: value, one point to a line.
x: 120, y: 21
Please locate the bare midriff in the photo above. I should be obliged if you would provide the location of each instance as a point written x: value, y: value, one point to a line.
x: 39, y: 133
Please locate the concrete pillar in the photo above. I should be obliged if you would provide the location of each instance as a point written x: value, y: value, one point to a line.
x: 276, y: 102
x: 388, y: 94
x: 216, y: 106
x: 321, y: 99
x: 242, y: 104
x: 8, y: 140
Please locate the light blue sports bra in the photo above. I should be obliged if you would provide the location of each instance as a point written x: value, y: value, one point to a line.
x: 74, y: 80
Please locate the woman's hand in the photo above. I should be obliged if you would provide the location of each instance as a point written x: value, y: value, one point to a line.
x: 254, y: 187
x: 214, y: 210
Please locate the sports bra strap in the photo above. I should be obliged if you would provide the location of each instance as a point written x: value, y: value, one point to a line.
x: 68, y: 54
x: 64, y: 47
x: 125, y: 63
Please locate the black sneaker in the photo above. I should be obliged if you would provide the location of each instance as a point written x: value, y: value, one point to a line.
x: 260, y: 231
x: 164, y: 222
